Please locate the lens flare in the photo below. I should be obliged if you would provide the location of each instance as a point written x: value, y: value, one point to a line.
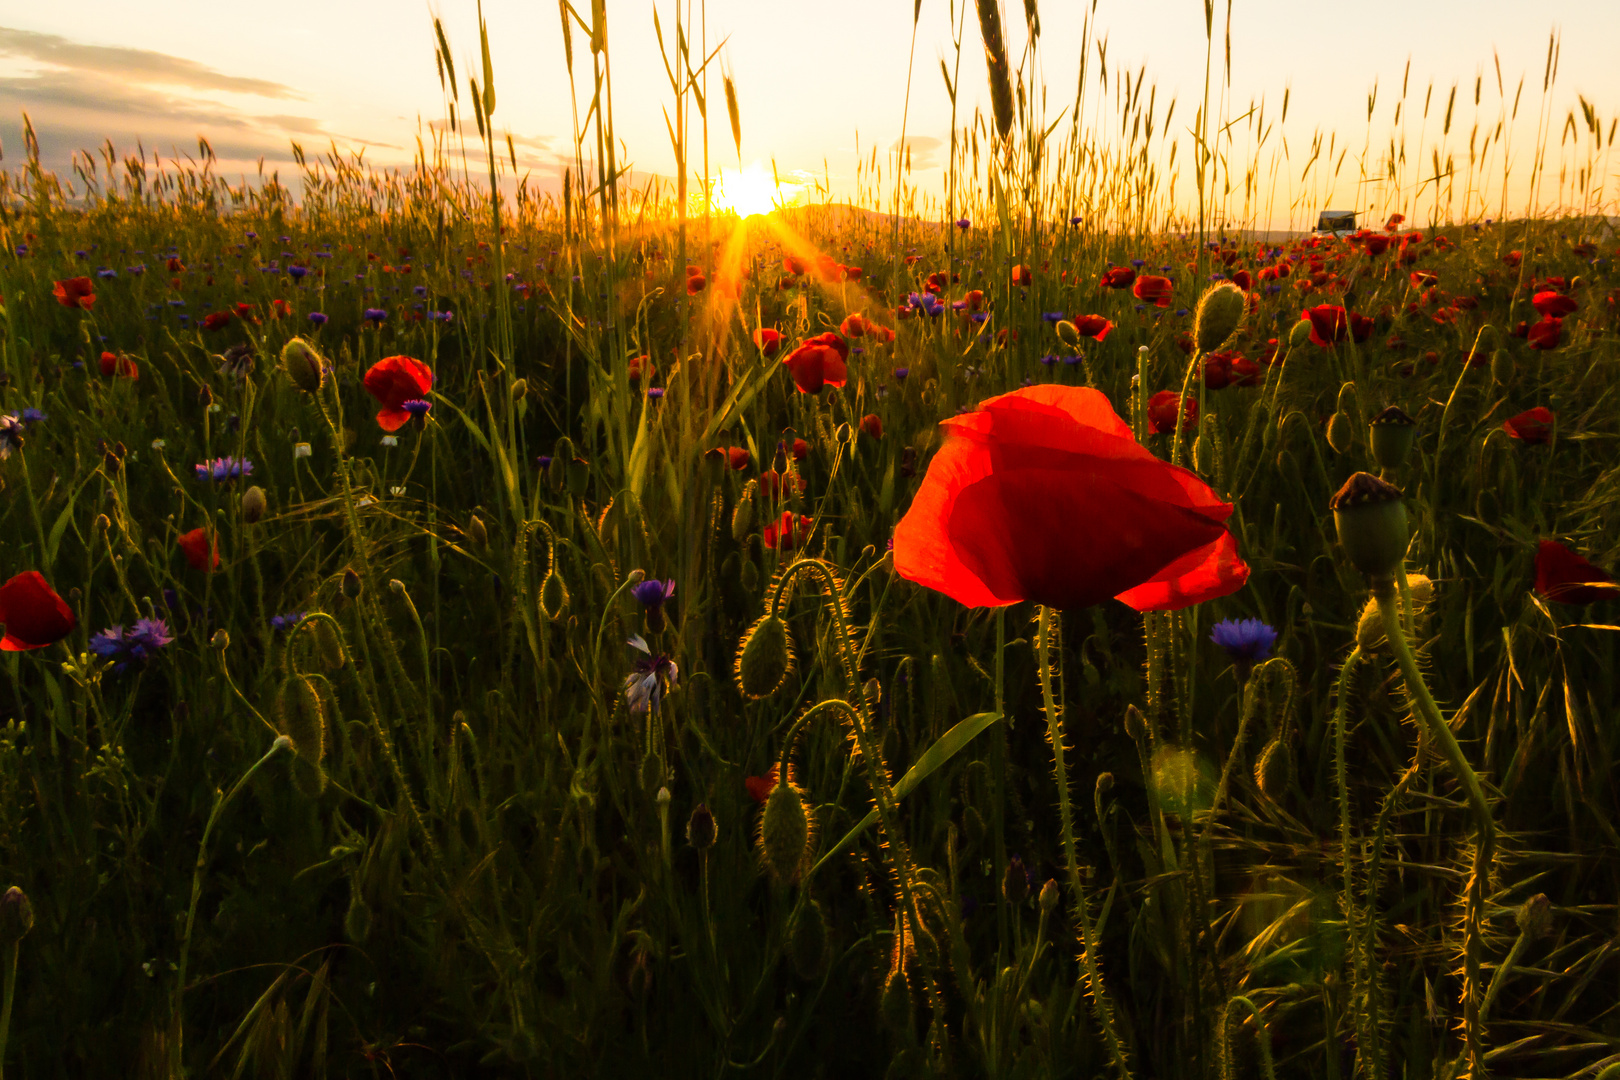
x: 753, y: 190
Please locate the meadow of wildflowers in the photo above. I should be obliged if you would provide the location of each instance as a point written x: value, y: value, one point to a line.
x: 1042, y: 633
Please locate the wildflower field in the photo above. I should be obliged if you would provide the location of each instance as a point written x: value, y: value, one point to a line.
x: 1030, y: 631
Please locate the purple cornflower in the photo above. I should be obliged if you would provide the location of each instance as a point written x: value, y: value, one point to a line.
x: 224, y: 469
x: 11, y: 435
x: 653, y: 677
x: 964, y: 223
x: 441, y: 316
x: 136, y: 645
x: 901, y: 373
x: 317, y: 318
x: 1075, y: 220
x: 656, y: 393
x: 30, y: 417
x: 282, y: 623
x: 651, y: 594
x: 1049, y: 359
x: 297, y: 272
x: 1052, y: 316
x: 416, y: 407
x: 419, y: 290
x: 1245, y: 640
x: 375, y: 315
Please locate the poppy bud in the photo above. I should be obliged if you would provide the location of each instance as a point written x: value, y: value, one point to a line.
x: 17, y: 916
x: 1339, y: 435
x: 303, y: 365
x: 1105, y: 783
x: 1219, y: 312
x: 553, y: 595
x: 519, y: 389
x: 1371, y: 519
x: 220, y: 641
x: 807, y: 939
x: 1015, y: 883
x: 895, y: 1004
x: 328, y: 645
x: 253, y: 504
x: 1534, y: 918
x: 1370, y: 628
x: 1301, y: 333
x: 1273, y: 769
x: 579, y: 476
x: 302, y: 719
x: 351, y: 584
x: 1049, y: 896
x: 357, y: 920
x: 1391, y: 436
x: 784, y: 833
x: 742, y: 515
x: 842, y: 432
x: 873, y: 691
x: 700, y: 828
x: 749, y: 577
x: 765, y: 658
x: 1135, y: 723
x: 1068, y: 333
x: 477, y: 533
x: 205, y: 396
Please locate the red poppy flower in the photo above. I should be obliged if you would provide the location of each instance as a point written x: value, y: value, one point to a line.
x: 1022, y: 275
x: 78, y: 292
x: 787, y: 534
x: 792, y: 264
x: 695, y: 284
x: 1245, y: 372
x: 880, y: 335
x: 1218, y: 370
x: 1331, y: 324
x: 639, y: 367
x: 1565, y: 578
x: 818, y: 362
x: 768, y: 340
x: 800, y: 449
x: 1533, y: 426
x: 33, y: 615
x: 394, y: 380
x: 1394, y: 222
x: 1376, y: 245
x: 737, y: 457
x: 280, y: 309
x: 1545, y: 334
x: 1153, y: 289
x: 216, y: 319
x: 1093, y: 326
x: 1553, y: 304
x: 1004, y: 510
x: 175, y: 265
x: 939, y: 281
x: 122, y: 366
x: 244, y: 311
x: 1513, y: 258
x: 853, y: 273
x: 1162, y: 412
x: 872, y: 424
x: 854, y: 325
x: 1243, y: 280
x: 196, y: 545
x: 1118, y: 277
x: 760, y: 787
x: 974, y: 299
x: 1422, y: 279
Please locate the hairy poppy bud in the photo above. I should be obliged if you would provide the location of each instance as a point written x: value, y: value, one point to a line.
x: 1534, y: 918
x: 17, y: 916
x: 328, y: 645
x: 221, y: 640
x: 742, y: 515
x: 807, y: 939
x: 519, y: 389
x: 1370, y: 628
x: 764, y: 658
x: 1049, y: 896
x: 1339, y: 433
x: 351, y: 584
x: 1371, y: 520
x: 553, y: 595
x: 253, y: 504
x: 1219, y: 312
x: 477, y: 533
x: 1301, y: 333
x: 1135, y: 723
x: 1105, y: 783
x: 1274, y: 768
x: 1391, y: 435
x: 701, y: 830
x: 895, y: 1004
x: 784, y: 832
x: 303, y: 365
x: 1068, y: 333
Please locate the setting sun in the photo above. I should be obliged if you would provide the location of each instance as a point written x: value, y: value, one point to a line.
x: 753, y: 190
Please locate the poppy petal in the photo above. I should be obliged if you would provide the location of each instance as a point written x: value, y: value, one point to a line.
x: 1206, y: 573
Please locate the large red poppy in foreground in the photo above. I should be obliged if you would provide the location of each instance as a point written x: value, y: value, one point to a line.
x: 1564, y: 577
x: 34, y: 616
x: 1043, y: 494
x: 394, y: 380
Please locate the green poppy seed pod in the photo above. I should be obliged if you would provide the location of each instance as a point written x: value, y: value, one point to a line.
x: 701, y: 830
x: 304, y: 367
x: 519, y: 389
x: 1068, y: 333
x: 807, y: 940
x: 254, y: 505
x: 1049, y: 896
x: 351, y: 584
x: 553, y: 595
x: 1371, y: 519
x: 221, y: 640
x: 1218, y: 315
x: 1391, y: 434
x: 1301, y: 333
x: 1534, y: 917
x: 764, y: 658
x: 742, y: 515
x: 1340, y: 434
x: 1501, y: 366
x: 784, y: 833
x: 16, y: 916
x: 327, y: 645
x: 895, y: 1004
x: 477, y: 533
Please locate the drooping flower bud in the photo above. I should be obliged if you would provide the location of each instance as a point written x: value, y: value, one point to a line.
x: 16, y: 916
x: 1534, y: 917
x: 519, y: 389
x: 784, y: 833
x: 1068, y: 333
x: 477, y: 533
x: 701, y: 830
x: 553, y: 595
x: 1340, y: 434
x: 1391, y: 435
x: 254, y: 505
x: 1219, y: 312
x: 742, y: 515
x: 1049, y: 896
x: 303, y: 365
x: 1371, y: 519
x: 807, y: 939
x: 1301, y: 333
x: 764, y: 658
x: 303, y: 720
x: 351, y: 584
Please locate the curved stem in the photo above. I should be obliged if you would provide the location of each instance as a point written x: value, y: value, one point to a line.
x: 11, y: 995
x: 1262, y: 1038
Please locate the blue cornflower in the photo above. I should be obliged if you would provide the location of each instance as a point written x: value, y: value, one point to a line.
x: 136, y: 645
x: 30, y: 417
x: 1073, y: 359
x: 1049, y: 359
x: 252, y: 236
x: 224, y: 469
x: 1075, y: 220
x: 652, y: 593
x: 657, y: 392
x: 654, y: 676
x: 964, y: 223
x: 1052, y: 316
x: 106, y: 273
x: 375, y: 315
x: 420, y: 290
x: 297, y: 272
x: 317, y: 318
x: 901, y: 373
x: 441, y: 316
x: 1139, y: 263
x: 416, y: 407
x: 979, y: 316
x: 1245, y: 640
x: 282, y: 623
x: 11, y: 435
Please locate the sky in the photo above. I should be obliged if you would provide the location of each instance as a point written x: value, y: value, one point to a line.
x: 815, y: 80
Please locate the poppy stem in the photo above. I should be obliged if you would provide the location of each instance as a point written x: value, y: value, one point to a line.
x: 1101, y: 1006
x: 998, y: 773
x: 1485, y: 840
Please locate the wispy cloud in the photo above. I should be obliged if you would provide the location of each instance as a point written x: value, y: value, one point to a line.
x: 141, y: 66
x: 924, y: 151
